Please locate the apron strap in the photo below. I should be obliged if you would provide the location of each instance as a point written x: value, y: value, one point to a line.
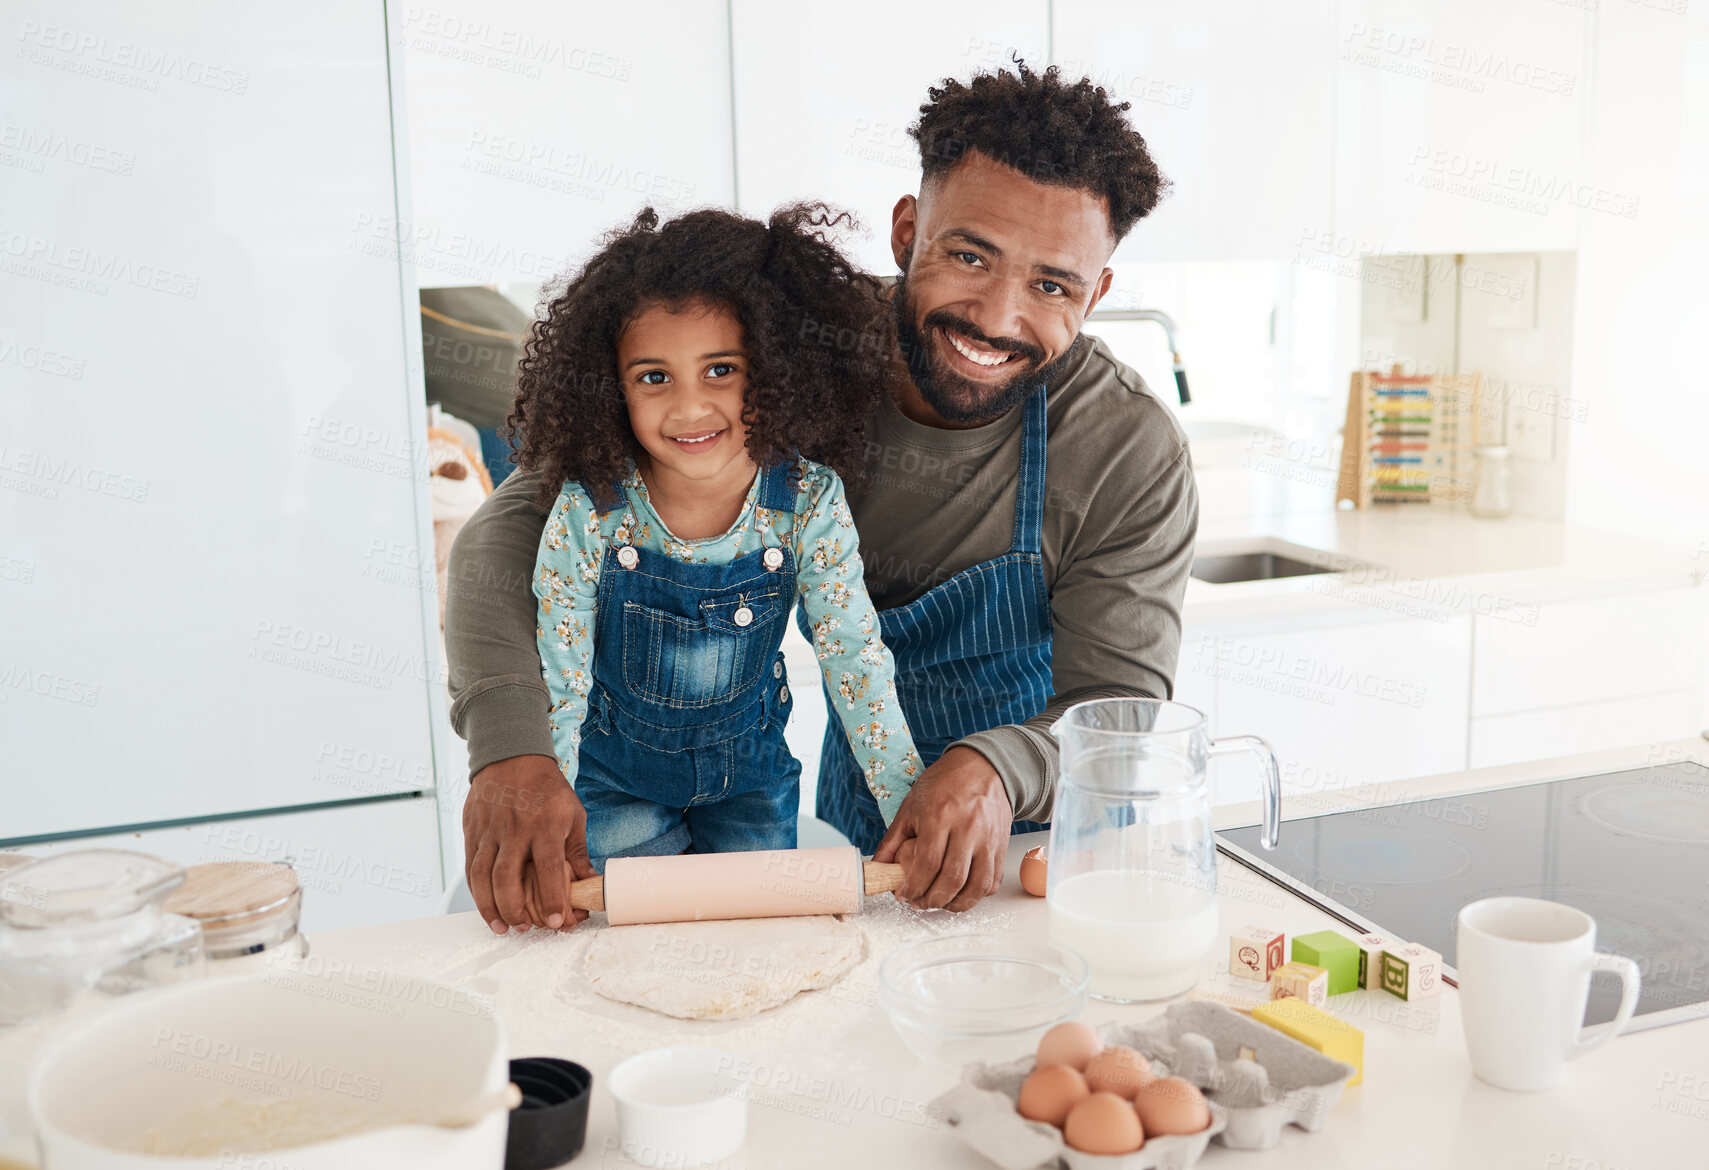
x: 1029, y: 497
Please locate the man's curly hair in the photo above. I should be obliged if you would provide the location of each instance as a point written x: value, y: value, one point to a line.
x: 1055, y: 132
x: 817, y: 332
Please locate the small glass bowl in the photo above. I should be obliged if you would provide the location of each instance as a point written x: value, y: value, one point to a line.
x: 979, y: 998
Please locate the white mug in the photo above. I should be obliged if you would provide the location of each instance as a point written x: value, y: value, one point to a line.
x: 1524, y: 967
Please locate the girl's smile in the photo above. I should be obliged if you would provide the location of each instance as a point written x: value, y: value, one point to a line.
x: 698, y: 440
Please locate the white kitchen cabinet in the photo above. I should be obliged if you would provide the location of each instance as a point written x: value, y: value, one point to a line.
x: 358, y: 865
x: 824, y: 96
x: 1589, y: 651
x: 536, y: 127
x: 1458, y: 127
x: 1237, y: 104
x: 1584, y: 727
x: 207, y: 488
x: 1343, y: 703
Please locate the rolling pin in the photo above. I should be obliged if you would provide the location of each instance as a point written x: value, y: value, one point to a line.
x: 764, y: 883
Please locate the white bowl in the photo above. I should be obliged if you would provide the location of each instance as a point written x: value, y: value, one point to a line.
x: 304, y: 1046
x: 681, y: 1106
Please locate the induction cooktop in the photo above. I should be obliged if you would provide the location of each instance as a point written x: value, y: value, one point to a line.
x: 1631, y: 849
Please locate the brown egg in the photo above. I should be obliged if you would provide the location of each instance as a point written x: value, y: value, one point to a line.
x: 1050, y: 1092
x: 1171, y: 1105
x: 1104, y: 1124
x: 1034, y: 871
x: 1072, y: 1044
x: 1118, y: 1070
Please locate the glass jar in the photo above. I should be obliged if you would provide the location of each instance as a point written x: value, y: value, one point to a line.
x: 1492, y: 494
x: 249, y: 911
x: 90, y: 921
x: 1132, y: 881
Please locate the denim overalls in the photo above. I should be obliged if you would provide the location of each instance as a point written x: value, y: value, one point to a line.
x: 682, y: 746
x: 973, y: 653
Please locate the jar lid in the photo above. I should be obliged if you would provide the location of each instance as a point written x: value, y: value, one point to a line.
x: 223, y: 893
x: 85, y: 885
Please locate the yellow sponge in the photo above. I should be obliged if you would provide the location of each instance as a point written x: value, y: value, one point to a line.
x: 1316, y: 1028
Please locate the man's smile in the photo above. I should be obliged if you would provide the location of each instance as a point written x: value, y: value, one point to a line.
x: 981, y: 356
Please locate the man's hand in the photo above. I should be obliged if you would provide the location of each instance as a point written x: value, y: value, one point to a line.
x: 521, y: 814
x: 957, y: 817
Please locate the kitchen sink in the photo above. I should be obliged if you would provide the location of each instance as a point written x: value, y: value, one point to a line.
x: 1229, y: 568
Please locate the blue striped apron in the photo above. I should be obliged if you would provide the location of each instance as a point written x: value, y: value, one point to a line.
x: 972, y: 653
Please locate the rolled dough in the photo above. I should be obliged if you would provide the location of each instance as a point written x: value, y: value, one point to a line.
x: 723, y: 970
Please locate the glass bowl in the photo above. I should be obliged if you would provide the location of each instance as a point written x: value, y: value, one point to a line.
x: 979, y: 998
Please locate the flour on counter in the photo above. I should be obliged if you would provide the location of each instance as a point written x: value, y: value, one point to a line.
x: 726, y: 970
x: 542, y: 994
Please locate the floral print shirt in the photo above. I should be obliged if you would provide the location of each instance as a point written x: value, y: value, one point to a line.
x: 858, y: 669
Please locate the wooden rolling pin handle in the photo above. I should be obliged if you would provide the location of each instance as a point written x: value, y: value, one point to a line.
x: 882, y: 877
x: 588, y: 894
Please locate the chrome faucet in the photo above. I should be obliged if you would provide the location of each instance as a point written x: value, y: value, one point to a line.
x: 1168, y: 324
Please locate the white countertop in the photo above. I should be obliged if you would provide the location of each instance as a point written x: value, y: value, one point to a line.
x: 1420, y: 560
x: 839, y: 1089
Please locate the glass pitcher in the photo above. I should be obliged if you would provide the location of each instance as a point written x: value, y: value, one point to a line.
x: 1132, y: 878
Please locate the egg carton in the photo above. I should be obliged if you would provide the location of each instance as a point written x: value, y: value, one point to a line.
x: 1251, y: 1100
x: 1283, y: 1083
x: 982, y: 1108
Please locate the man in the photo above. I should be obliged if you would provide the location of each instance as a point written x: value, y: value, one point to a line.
x: 1005, y: 592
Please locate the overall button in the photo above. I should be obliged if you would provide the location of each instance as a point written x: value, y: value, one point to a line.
x: 773, y: 559
x: 777, y: 670
x: 743, y: 616
x: 783, y: 694
x: 628, y: 557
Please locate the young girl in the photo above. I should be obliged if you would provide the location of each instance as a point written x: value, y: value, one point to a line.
x: 691, y: 397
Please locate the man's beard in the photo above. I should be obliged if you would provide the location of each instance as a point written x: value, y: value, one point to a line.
x: 955, y: 398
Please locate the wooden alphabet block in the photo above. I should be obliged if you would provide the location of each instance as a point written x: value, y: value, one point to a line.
x: 1412, y: 972
x: 1302, y: 981
x: 1254, y: 952
x: 1371, y: 948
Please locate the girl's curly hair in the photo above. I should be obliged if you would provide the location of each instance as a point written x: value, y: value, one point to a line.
x: 817, y: 331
